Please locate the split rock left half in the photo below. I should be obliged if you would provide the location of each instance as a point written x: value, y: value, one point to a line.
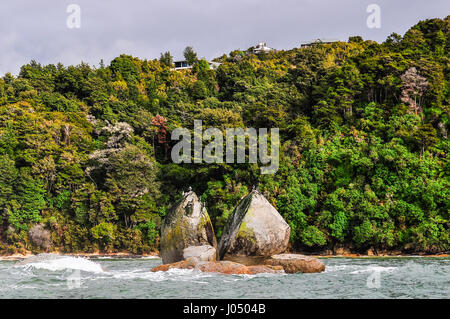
x: 186, y: 224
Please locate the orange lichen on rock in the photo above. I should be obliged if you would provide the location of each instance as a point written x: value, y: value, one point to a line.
x: 223, y: 267
x: 294, y: 263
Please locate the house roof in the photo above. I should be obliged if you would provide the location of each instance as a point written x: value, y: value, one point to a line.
x: 319, y: 40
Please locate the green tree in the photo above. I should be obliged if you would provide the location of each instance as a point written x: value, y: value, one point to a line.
x: 190, y: 55
x: 166, y: 59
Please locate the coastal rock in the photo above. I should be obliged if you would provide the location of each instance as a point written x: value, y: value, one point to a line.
x: 223, y: 267
x: 40, y: 237
x: 255, y: 228
x: 246, y: 260
x: 203, y: 253
x: 183, y: 264
x: 186, y: 224
x: 259, y: 269
x: 294, y: 263
x: 341, y: 250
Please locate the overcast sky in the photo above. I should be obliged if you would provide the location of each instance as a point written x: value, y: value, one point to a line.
x: 144, y: 28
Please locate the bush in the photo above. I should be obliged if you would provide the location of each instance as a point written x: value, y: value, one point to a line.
x: 150, y: 232
x: 104, y: 232
x: 312, y: 236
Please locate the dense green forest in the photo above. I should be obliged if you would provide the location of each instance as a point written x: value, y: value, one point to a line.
x: 85, y: 151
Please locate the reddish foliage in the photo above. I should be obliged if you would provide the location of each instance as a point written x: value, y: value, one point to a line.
x: 160, y: 122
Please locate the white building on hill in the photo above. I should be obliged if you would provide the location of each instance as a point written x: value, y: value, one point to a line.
x: 182, y: 65
x: 262, y: 48
x: 317, y: 41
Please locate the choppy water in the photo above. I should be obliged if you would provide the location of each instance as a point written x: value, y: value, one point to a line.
x: 75, y: 277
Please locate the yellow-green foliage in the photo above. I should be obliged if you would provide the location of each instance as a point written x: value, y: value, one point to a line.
x: 364, y: 134
x: 245, y: 233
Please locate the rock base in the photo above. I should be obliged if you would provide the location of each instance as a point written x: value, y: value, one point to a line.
x: 223, y: 267
x: 203, y: 253
x: 294, y: 263
x: 246, y: 260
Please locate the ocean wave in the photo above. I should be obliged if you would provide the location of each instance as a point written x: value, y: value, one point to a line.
x: 59, y: 263
x: 188, y: 275
x: 175, y: 274
x: 358, y: 269
x: 372, y: 269
x: 334, y: 268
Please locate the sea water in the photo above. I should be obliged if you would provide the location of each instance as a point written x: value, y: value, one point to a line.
x: 52, y: 276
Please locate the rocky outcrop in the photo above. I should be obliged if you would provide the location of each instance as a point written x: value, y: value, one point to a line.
x: 255, y: 228
x: 341, y: 250
x: 224, y: 267
x: 203, y: 253
x: 260, y: 269
x: 186, y: 224
x: 40, y: 237
x: 294, y: 263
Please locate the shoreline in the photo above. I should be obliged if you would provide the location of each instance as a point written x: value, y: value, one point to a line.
x: 382, y: 256
x: 118, y: 255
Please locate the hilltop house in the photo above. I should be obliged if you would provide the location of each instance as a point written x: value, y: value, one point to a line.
x: 317, y: 41
x: 262, y: 48
x: 179, y: 65
x: 182, y: 65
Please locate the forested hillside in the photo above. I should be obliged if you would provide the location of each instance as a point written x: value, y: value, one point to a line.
x: 85, y: 151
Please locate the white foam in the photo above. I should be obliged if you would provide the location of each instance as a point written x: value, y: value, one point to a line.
x: 374, y: 269
x: 67, y: 262
x: 340, y: 267
x: 151, y: 257
x: 170, y: 275
x: 261, y: 275
x: 358, y: 269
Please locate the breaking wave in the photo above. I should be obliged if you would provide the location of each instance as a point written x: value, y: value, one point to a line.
x: 58, y: 263
x: 374, y: 269
x: 358, y: 269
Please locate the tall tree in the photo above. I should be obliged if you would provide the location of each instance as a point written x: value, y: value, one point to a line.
x: 166, y: 59
x: 190, y: 55
x: 414, y: 85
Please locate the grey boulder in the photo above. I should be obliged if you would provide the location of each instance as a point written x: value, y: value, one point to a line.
x: 186, y: 224
x: 255, y: 228
x: 294, y: 263
x: 202, y: 253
